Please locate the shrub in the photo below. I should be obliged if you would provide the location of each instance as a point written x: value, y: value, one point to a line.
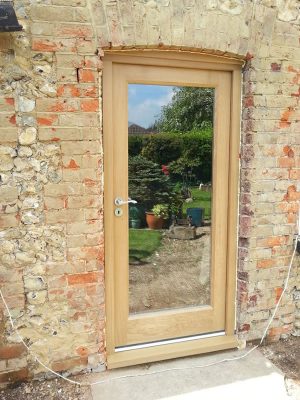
x: 161, y: 210
x: 135, y: 144
x: 147, y: 184
x: 185, y: 154
x: 195, y: 158
x: 162, y: 148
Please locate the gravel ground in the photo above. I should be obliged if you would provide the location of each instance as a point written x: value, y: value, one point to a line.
x: 176, y: 275
x: 284, y: 354
x: 55, y: 389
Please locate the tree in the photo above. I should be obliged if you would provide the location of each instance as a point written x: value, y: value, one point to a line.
x: 146, y: 182
x: 190, y: 109
x: 195, y: 160
x: 150, y: 186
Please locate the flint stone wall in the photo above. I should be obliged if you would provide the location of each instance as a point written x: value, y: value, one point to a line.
x: 51, y: 177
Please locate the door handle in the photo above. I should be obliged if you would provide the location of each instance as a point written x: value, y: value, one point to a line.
x: 120, y: 202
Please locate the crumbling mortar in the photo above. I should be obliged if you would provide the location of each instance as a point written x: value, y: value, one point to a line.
x: 31, y: 165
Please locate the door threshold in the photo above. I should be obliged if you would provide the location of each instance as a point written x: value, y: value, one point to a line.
x: 171, y: 350
x: 169, y: 341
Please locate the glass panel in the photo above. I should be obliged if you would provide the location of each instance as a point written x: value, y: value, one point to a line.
x: 170, y: 137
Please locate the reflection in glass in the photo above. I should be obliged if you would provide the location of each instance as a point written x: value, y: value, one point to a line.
x: 170, y: 137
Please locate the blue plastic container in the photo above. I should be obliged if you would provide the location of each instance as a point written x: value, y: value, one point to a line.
x: 197, y: 215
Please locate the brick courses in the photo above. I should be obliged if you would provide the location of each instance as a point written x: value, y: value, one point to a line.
x: 51, y: 221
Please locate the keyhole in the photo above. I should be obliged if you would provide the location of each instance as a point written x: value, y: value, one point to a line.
x: 118, y: 212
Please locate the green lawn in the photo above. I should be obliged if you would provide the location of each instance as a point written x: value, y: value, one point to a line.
x: 200, y: 199
x: 143, y: 243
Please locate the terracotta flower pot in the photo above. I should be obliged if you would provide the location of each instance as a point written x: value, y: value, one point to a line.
x: 153, y: 221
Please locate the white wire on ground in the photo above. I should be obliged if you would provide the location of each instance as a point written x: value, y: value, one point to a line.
x: 27, y: 347
x: 166, y: 369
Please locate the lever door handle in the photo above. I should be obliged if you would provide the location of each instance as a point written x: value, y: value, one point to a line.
x: 120, y: 202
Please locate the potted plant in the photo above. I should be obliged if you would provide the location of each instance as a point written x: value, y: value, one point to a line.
x: 157, y: 216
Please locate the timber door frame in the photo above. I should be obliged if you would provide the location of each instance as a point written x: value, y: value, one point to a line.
x: 201, y: 345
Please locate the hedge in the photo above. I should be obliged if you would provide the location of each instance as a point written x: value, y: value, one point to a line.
x: 184, y: 153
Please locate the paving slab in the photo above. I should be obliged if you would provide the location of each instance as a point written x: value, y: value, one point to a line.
x: 252, y: 377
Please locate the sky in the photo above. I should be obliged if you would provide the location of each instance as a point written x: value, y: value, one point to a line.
x: 145, y: 102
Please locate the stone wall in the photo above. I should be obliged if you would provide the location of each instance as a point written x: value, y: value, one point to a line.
x: 51, y: 221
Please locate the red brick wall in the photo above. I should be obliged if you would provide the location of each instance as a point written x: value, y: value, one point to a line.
x: 51, y: 154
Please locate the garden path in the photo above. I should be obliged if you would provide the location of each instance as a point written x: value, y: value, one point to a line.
x: 176, y: 275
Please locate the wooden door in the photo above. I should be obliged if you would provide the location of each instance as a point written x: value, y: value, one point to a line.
x: 146, y: 336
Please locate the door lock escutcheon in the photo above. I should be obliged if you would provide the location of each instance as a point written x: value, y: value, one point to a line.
x: 118, y: 212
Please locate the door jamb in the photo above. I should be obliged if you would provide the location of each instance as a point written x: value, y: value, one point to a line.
x: 185, y: 60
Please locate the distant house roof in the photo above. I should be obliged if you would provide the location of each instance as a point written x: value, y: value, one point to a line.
x: 135, y: 129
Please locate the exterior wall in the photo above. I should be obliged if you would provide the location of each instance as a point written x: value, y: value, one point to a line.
x: 51, y: 251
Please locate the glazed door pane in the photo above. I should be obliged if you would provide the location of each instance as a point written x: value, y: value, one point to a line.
x: 170, y: 146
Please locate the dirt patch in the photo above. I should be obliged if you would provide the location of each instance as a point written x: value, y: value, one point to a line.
x: 285, y: 354
x: 55, y: 389
x: 176, y: 275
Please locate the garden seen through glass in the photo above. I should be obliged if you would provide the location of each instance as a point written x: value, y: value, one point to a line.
x: 170, y: 152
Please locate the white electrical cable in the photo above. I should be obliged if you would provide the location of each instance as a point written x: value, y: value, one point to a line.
x: 167, y: 369
x: 27, y: 347
x: 224, y: 359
